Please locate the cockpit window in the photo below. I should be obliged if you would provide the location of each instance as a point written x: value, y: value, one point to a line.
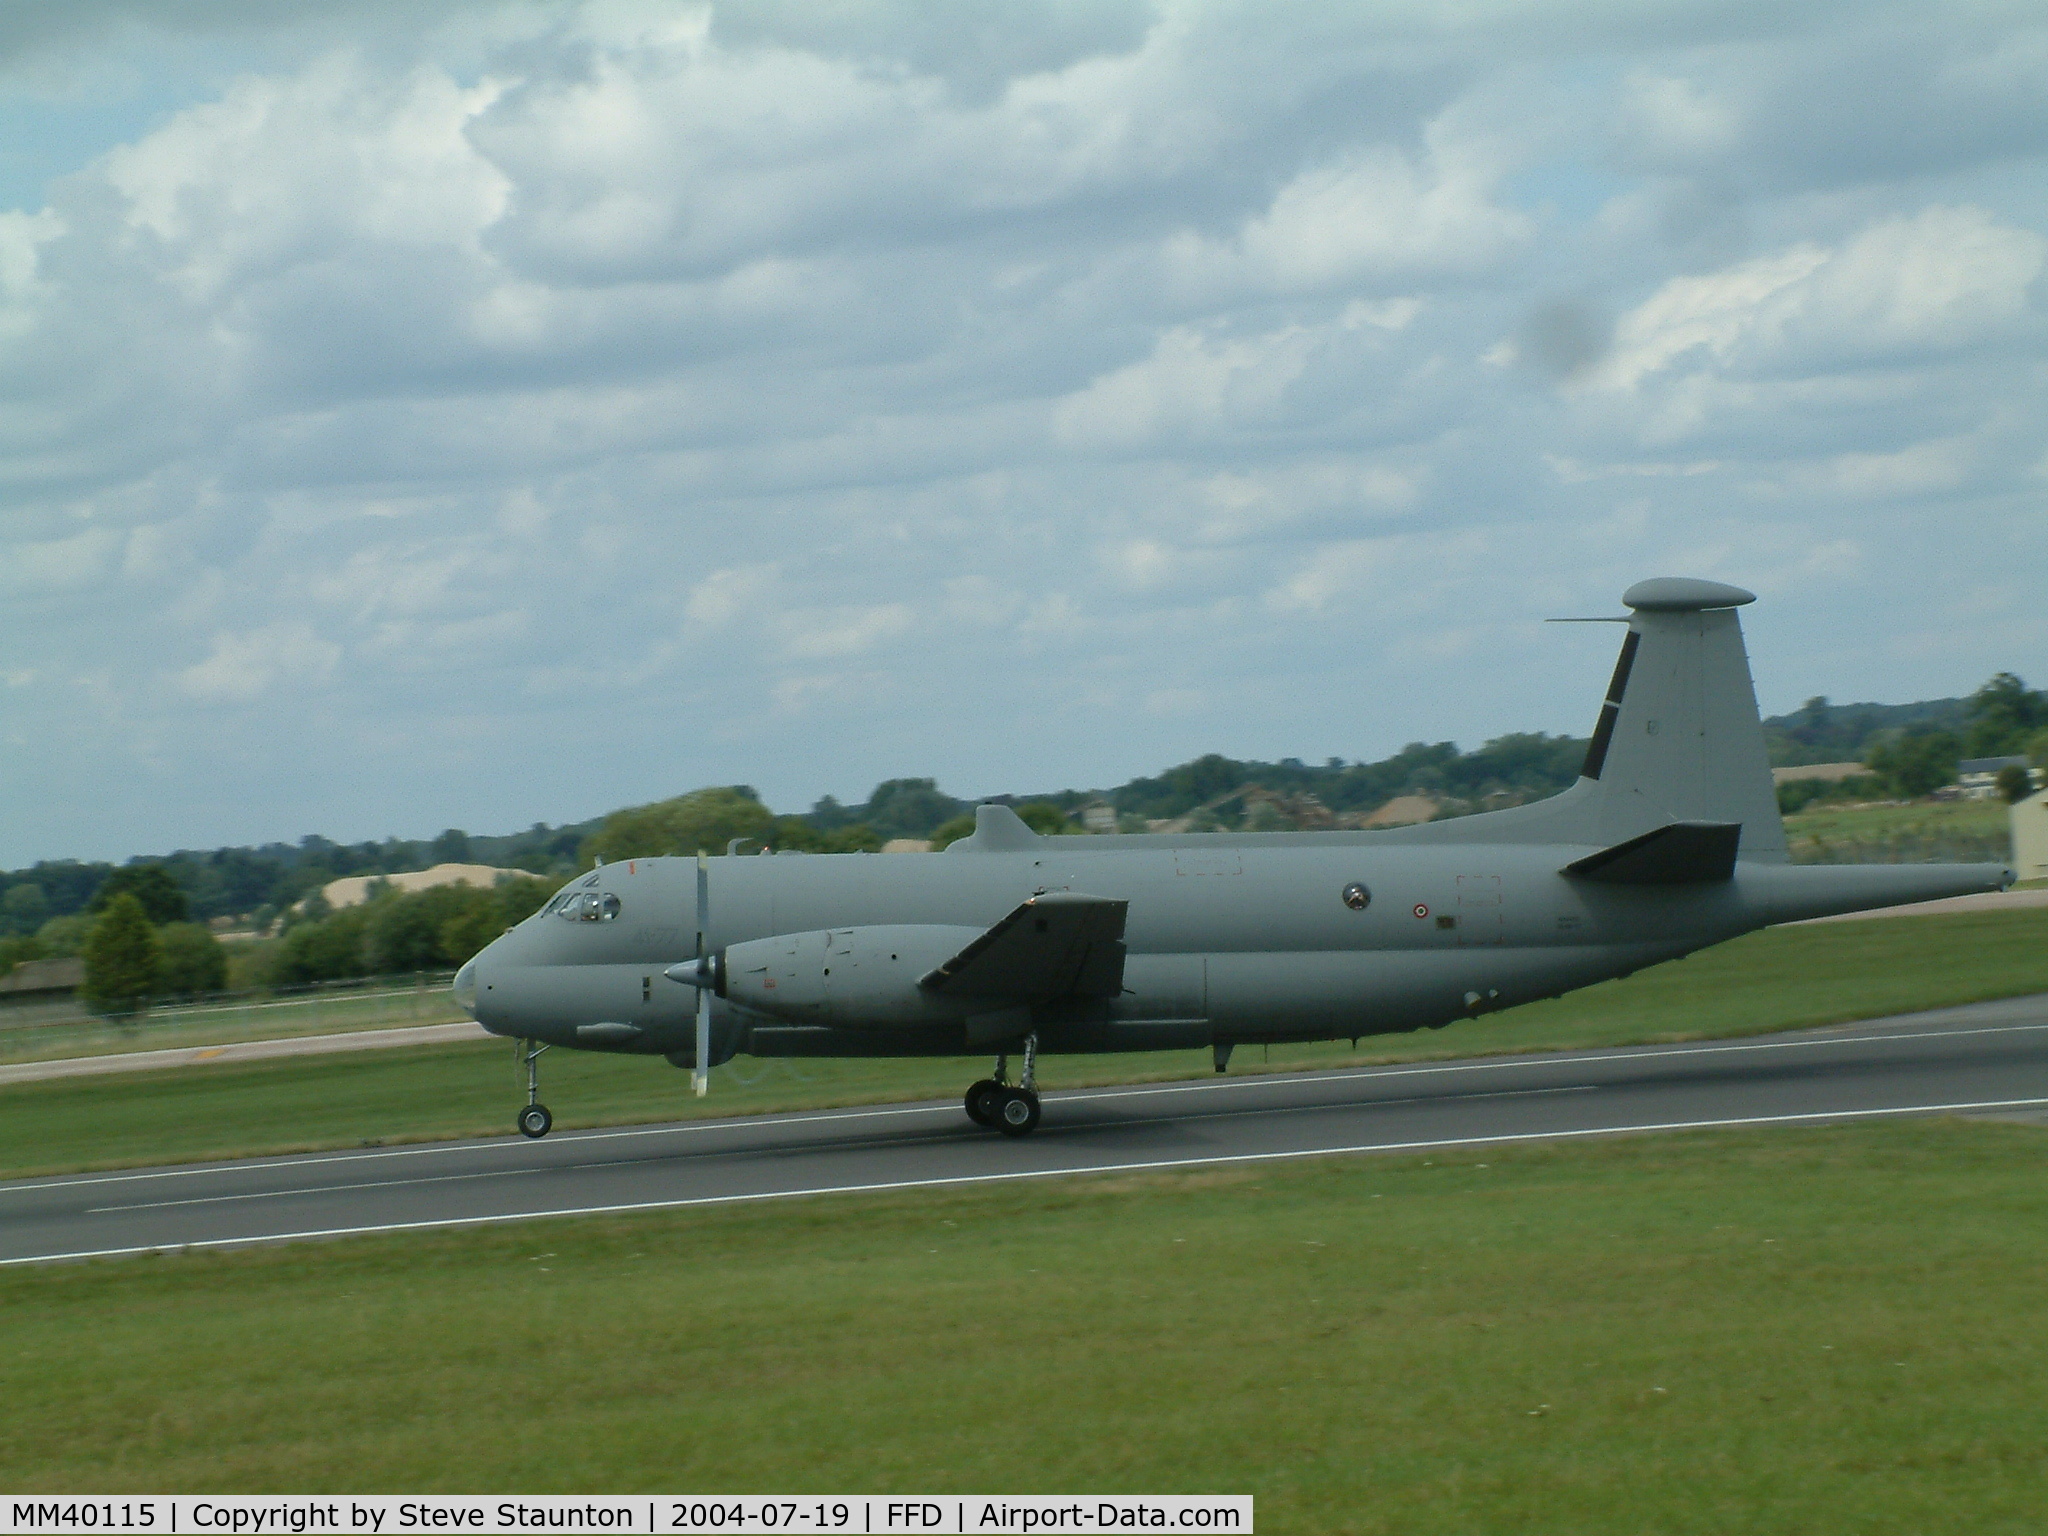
x: 590, y: 907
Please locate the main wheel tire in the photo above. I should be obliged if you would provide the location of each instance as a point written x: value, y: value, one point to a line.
x: 1017, y: 1112
x: 535, y: 1121
x: 980, y: 1107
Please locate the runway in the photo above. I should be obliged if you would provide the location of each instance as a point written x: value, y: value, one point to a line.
x: 1987, y: 1058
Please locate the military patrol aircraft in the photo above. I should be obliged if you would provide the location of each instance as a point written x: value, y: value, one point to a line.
x: 1017, y: 944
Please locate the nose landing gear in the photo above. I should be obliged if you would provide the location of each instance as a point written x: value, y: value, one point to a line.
x: 534, y: 1120
x: 995, y: 1103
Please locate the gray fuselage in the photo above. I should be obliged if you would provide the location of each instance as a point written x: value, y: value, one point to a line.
x: 1230, y: 940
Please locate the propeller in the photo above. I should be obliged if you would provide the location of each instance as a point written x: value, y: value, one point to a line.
x: 703, y: 973
x: 700, y: 1079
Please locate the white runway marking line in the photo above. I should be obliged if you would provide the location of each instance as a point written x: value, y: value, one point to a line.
x: 1263, y: 1080
x: 503, y: 1173
x: 444, y: 1149
x: 1028, y: 1173
x: 1643, y: 1053
x: 1322, y: 1109
x: 318, y: 1189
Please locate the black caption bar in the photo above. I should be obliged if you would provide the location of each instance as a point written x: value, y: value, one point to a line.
x: 696, y: 1514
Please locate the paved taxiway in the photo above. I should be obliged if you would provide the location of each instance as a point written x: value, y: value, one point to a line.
x: 1988, y: 1058
x: 233, y: 1051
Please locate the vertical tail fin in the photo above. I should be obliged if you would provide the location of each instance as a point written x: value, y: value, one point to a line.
x: 1679, y: 738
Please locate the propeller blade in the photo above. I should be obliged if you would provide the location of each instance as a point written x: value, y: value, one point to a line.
x: 700, y: 1078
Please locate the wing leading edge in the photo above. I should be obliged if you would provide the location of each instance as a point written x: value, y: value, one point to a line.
x: 1056, y: 944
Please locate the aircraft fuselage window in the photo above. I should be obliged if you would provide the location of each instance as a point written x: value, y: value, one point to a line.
x: 590, y: 907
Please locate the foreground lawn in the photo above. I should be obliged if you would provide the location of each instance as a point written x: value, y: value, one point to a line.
x: 1817, y: 1330
x: 1785, y: 978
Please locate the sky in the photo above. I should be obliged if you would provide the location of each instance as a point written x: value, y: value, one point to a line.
x: 434, y: 415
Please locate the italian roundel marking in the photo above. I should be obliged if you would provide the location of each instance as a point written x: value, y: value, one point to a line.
x: 1422, y: 909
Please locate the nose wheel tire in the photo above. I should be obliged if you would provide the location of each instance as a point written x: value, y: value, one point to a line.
x: 980, y: 1104
x: 1016, y: 1111
x: 535, y: 1121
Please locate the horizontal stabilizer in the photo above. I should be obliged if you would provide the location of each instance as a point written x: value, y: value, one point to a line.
x: 1057, y: 944
x: 1678, y: 854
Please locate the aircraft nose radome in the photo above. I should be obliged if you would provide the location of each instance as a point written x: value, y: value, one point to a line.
x: 465, y: 989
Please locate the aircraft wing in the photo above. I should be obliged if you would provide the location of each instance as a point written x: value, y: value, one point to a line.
x: 1678, y: 854
x: 1057, y: 944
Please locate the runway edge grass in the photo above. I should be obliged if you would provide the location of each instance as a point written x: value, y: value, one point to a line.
x: 1820, y: 1329
x: 1784, y: 978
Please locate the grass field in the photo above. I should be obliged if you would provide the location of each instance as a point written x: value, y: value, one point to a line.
x: 1816, y: 1330
x: 1779, y: 979
x: 1963, y: 831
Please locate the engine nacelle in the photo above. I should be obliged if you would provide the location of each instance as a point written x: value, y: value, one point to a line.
x: 849, y: 977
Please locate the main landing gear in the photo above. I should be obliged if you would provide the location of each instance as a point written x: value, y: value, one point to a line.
x: 1012, y: 1110
x: 534, y: 1120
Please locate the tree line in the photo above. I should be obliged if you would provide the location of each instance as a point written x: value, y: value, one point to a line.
x: 138, y: 948
x: 396, y: 932
x: 257, y: 884
x: 2003, y: 718
x: 139, y: 943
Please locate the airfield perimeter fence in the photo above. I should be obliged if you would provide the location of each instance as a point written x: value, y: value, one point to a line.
x: 64, y: 1027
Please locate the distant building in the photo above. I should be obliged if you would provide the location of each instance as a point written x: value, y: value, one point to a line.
x: 1402, y: 811
x: 1831, y: 773
x: 1098, y: 816
x: 1978, y: 776
x: 2030, y: 836
x: 39, y: 980
x: 907, y: 845
x: 354, y: 890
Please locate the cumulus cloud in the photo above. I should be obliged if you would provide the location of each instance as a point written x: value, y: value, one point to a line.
x: 845, y: 631
x: 1932, y: 282
x: 1190, y: 383
x: 284, y: 173
x: 1373, y: 217
x: 1667, y: 119
x: 244, y: 667
x: 727, y: 596
x: 532, y: 411
x: 54, y: 565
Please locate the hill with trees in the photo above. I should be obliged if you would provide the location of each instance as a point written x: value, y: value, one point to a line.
x: 1820, y: 731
